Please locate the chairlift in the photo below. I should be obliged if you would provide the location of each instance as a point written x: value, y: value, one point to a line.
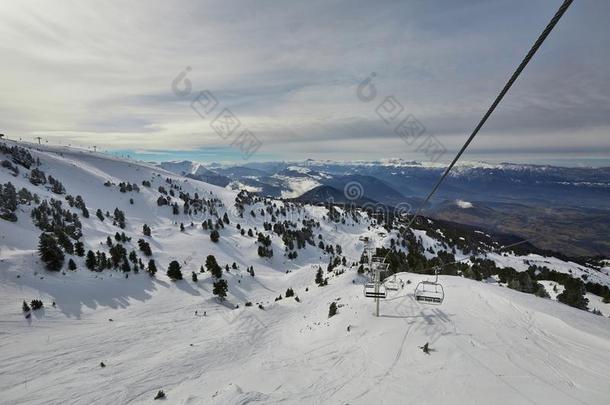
x: 430, y: 292
x: 369, y: 291
x: 392, y: 285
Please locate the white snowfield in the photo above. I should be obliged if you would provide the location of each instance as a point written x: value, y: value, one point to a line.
x: 488, y: 344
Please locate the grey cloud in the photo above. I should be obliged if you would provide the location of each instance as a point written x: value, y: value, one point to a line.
x: 289, y: 72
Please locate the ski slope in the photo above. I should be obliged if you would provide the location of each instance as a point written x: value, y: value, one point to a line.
x: 489, y: 343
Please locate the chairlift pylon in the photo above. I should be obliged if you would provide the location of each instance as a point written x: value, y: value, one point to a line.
x: 430, y: 292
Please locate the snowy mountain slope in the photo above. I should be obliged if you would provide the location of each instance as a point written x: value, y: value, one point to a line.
x: 565, y: 208
x: 488, y: 341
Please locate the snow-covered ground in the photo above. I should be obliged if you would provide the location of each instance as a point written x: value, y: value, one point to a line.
x: 489, y: 343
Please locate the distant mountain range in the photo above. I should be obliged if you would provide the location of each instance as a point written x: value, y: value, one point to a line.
x: 567, y: 209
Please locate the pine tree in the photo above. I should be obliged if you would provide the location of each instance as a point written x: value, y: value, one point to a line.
x: 213, y: 267
x: 332, y: 310
x: 540, y: 291
x: 49, y: 252
x: 90, y: 261
x: 146, y: 230
x: 319, y: 276
x: 133, y: 257
x: 125, y: 266
x: 574, y: 294
x: 36, y: 304
x: 152, y: 267
x: 144, y: 247
x: 194, y: 277
x: 71, y: 264
x: 527, y: 285
x: 173, y: 271
x: 25, y: 307
x: 119, y: 217
x: 64, y: 241
x: 214, y: 236
x: 79, y: 249
x: 220, y: 289
x: 99, y: 214
x: 515, y: 284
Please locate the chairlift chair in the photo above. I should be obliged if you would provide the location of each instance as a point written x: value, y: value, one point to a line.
x: 392, y: 285
x: 369, y: 291
x: 430, y: 292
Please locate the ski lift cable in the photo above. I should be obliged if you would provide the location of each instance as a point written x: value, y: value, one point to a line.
x: 562, y: 9
x: 560, y: 12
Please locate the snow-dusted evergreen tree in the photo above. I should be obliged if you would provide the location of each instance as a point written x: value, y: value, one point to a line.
x: 152, y: 267
x: 119, y: 217
x: 144, y: 247
x: 212, y: 265
x: 90, y: 261
x: 49, y: 252
x: 8, y: 202
x: 220, y: 289
x: 79, y: 249
x: 574, y: 294
x: 125, y: 266
x: 319, y: 276
x: 332, y: 310
x: 173, y: 271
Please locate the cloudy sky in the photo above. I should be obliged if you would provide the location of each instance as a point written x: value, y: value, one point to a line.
x: 101, y: 73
